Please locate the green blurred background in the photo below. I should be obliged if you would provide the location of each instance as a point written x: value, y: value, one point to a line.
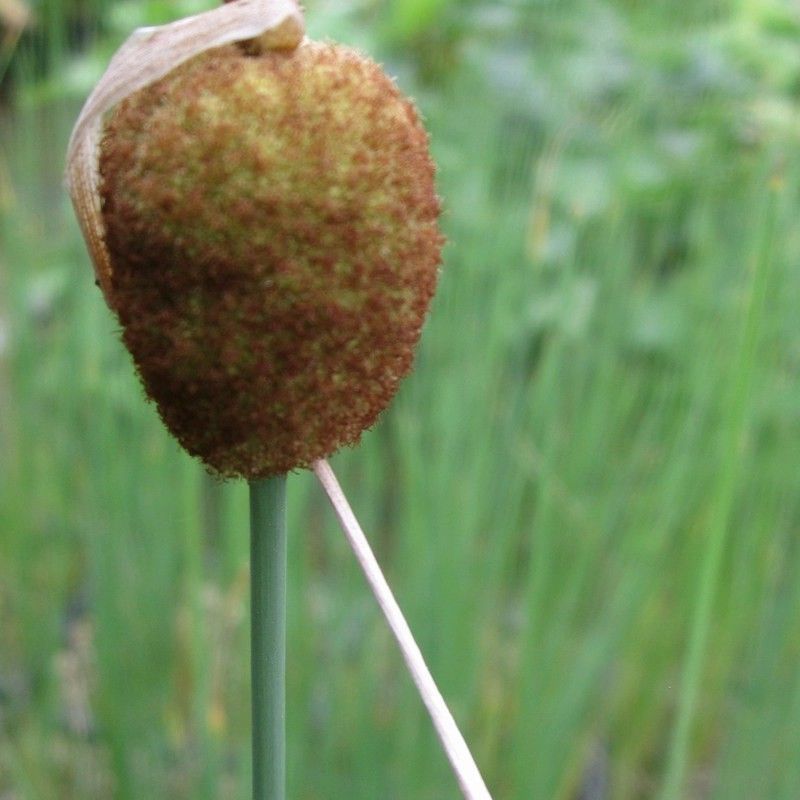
x: 586, y: 496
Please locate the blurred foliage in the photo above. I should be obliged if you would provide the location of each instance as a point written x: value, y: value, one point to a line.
x: 602, y: 431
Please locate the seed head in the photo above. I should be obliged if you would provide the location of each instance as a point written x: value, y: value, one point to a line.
x: 271, y: 221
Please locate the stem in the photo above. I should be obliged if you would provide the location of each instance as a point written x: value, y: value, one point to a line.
x: 268, y: 636
x: 455, y: 748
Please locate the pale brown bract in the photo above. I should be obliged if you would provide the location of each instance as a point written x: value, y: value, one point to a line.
x: 147, y: 55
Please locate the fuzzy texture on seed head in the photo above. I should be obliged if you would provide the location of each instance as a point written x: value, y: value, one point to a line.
x: 272, y: 226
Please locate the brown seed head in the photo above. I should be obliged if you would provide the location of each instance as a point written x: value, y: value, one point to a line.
x: 272, y: 226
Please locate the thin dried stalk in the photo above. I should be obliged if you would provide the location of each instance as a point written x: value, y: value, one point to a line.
x: 464, y: 766
x: 150, y: 54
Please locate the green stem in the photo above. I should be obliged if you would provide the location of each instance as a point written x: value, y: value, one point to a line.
x: 268, y: 636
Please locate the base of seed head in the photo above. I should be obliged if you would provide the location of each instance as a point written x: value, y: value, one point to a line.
x: 272, y: 226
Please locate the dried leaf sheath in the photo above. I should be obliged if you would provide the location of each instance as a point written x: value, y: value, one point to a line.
x: 147, y: 55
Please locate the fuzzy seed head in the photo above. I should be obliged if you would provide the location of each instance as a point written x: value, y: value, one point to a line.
x: 272, y: 226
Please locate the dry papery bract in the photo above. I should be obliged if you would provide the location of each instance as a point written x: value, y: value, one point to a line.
x: 147, y: 55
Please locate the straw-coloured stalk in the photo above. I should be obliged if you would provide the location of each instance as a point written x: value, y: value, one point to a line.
x: 458, y: 754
